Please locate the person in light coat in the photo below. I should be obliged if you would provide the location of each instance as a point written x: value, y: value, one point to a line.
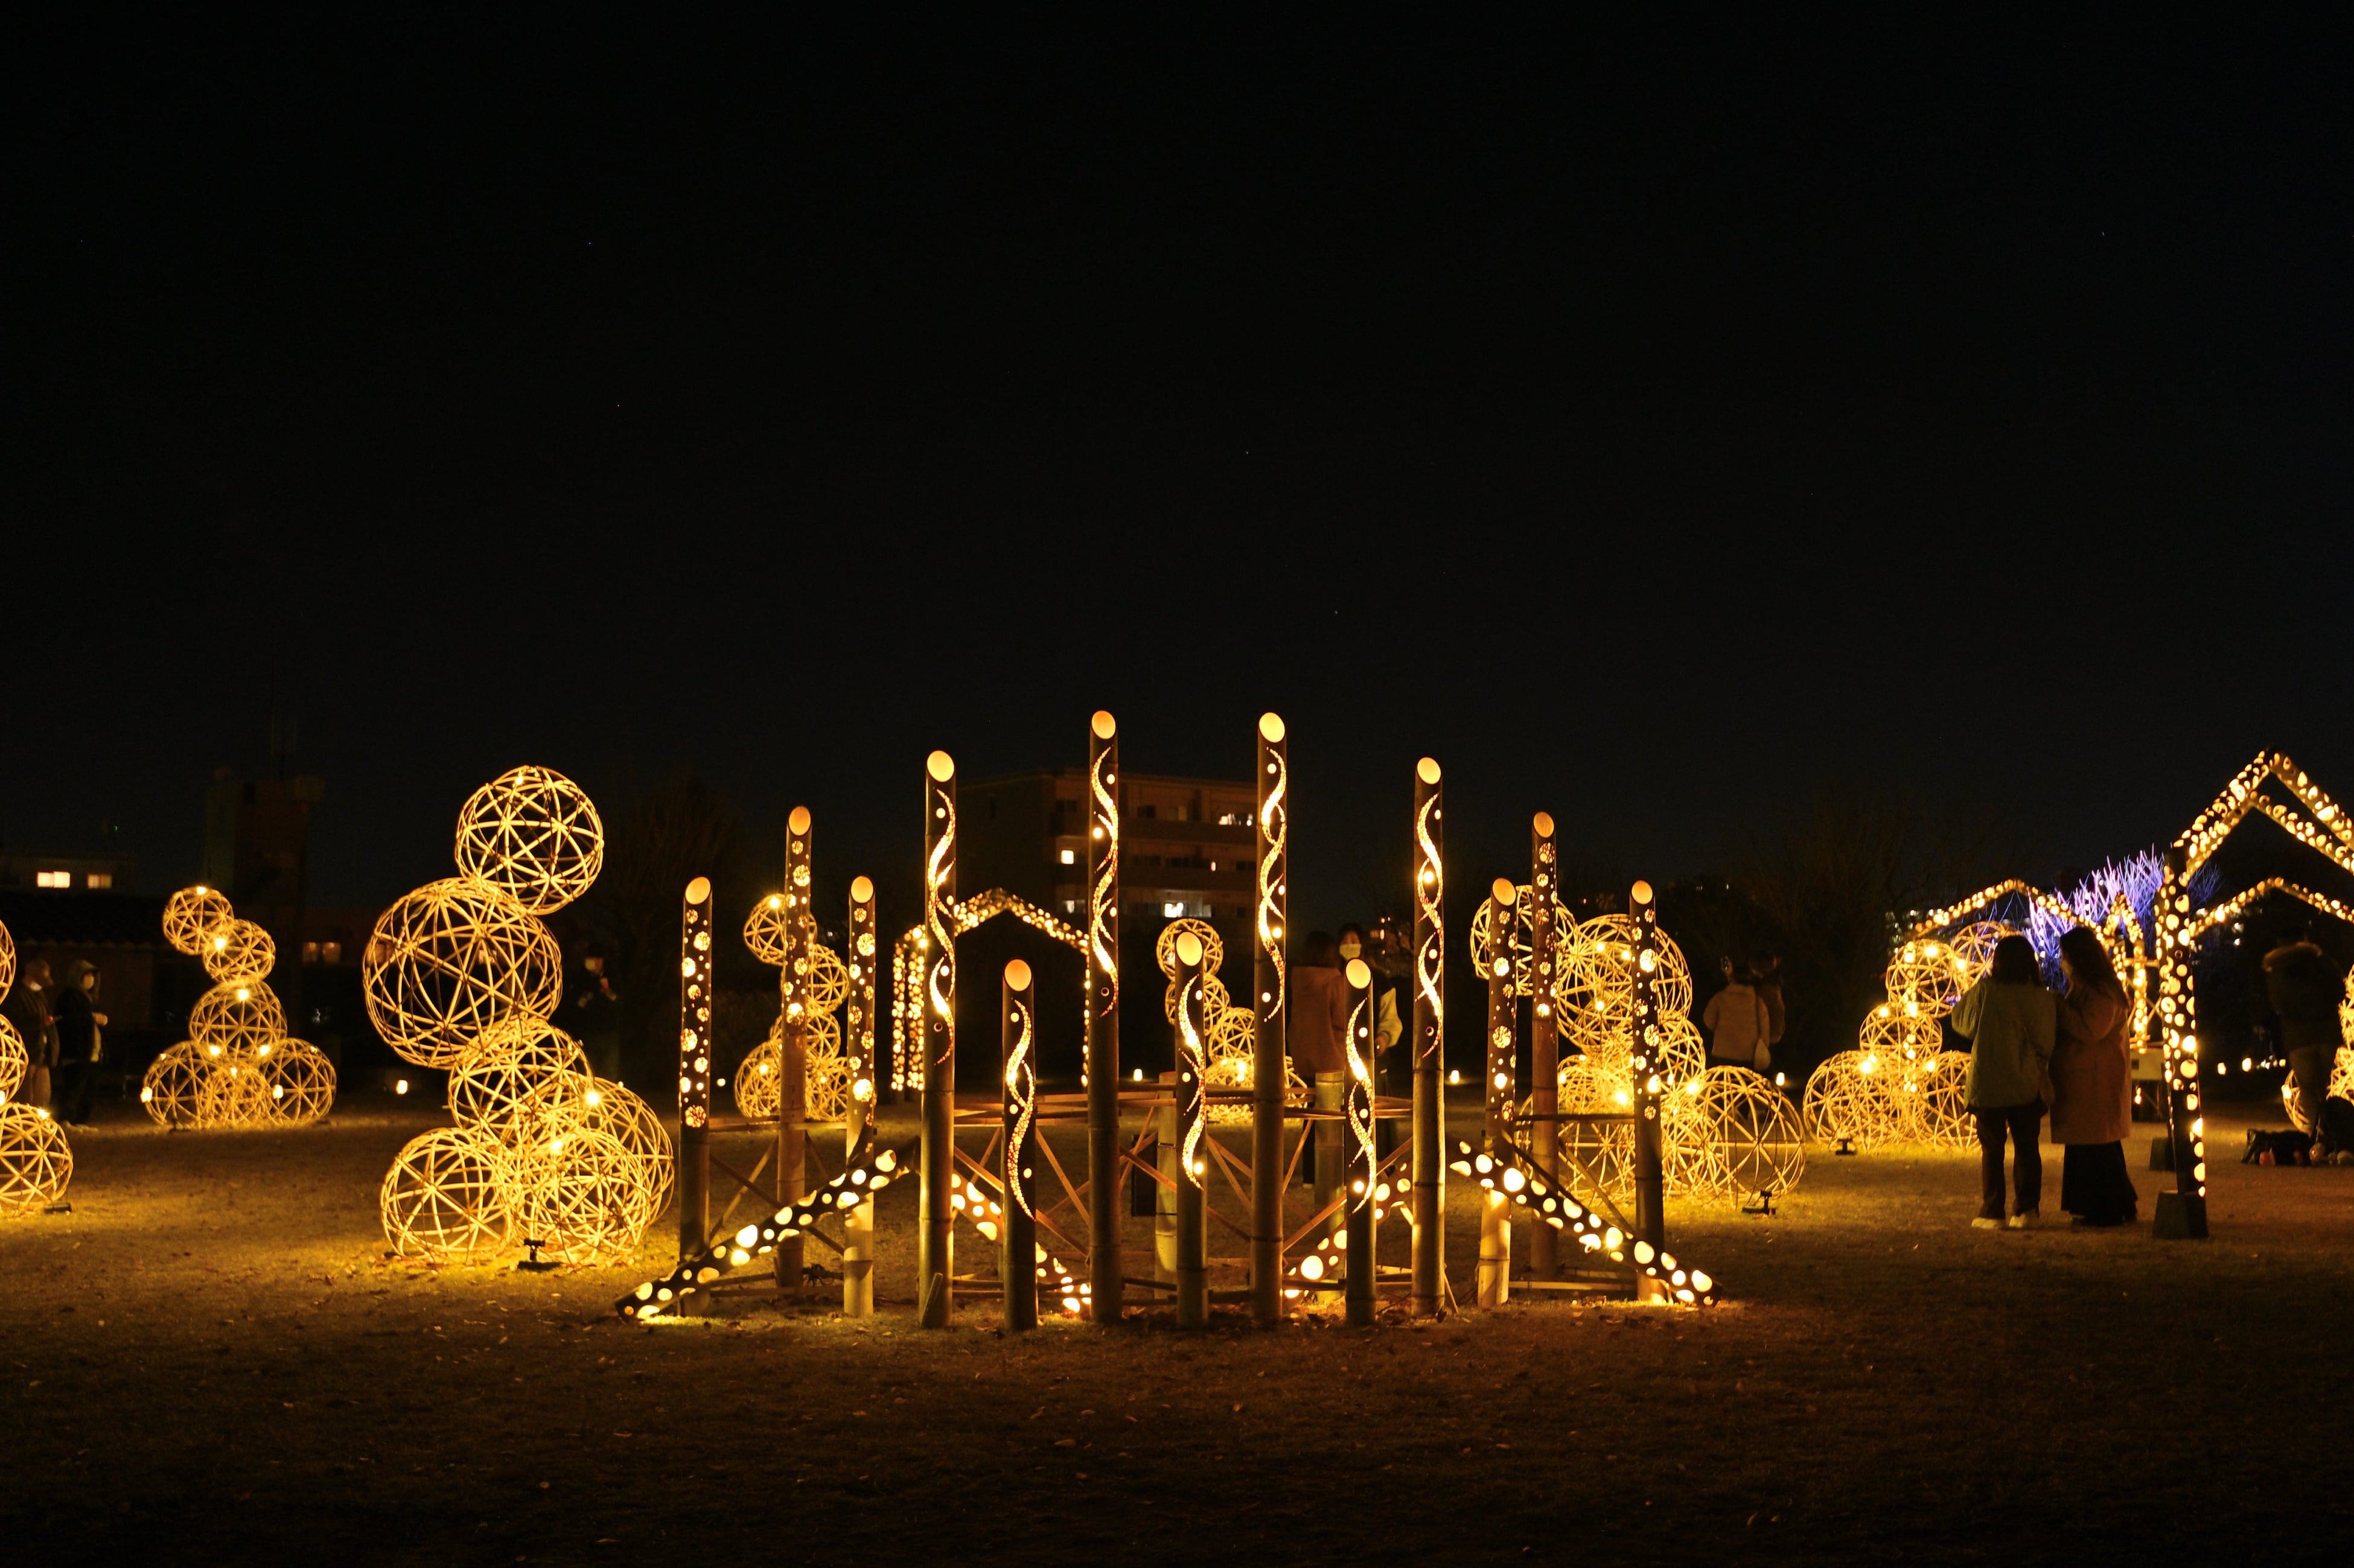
x: 2010, y: 1022
x: 2092, y: 1087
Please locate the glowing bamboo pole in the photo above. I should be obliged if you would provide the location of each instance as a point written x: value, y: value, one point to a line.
x: 1103, y: 1017
x: 2181, y: 1213
x: 696, y: 951
x: 1357, y: 1227
x: 1650, y: 1219
x: 793, y: 1075
x: 1193, y: 1164
x: 1017, y: 1263
x: 1271, y: 1043
x: 858, y: 1045
x: 1429, y: 1208
x: 935, y: 1259
x: 1544, y: 1031
x: 1495, y: 1215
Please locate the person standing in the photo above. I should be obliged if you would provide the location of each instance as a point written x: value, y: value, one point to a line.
x: 1388, y: 1030
x: 597, y: 1017
x: 2092, y: 1087
x: 1769, y: 991
x: 1319, y: 1029
x: 27, y: 1007
x: 2304, y: 991
x: 79, y: 1042
x: 1737, y: 1023
x: 2010, y: 1022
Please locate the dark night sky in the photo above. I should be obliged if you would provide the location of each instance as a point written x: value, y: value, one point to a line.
x: 1655, y: 428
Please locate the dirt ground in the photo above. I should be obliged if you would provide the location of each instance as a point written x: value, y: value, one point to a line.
x: 212, y: 1358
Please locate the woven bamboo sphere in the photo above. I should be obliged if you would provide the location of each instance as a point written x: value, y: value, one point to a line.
x: 825, y: 1077
x: 1681, y: 1054
x: 1853, y: 1096
x: 764, y: 929
x: 452, y: 959
x: 190, y: 915
x: 7, y: 961
x: 175, y: 1080
x: 300, y: 1081
x: 234, y: 1091
x: 235, y: 1018
x: 1935, y: 1099
x: 1164, y: 947
x: 628, y: 1120
x: 1234, y: 1036
x: 2342, y: 1076
x: 14, y: 1060
x: 824, y: 984
x: 239, y: 950
x: 1926, y: 978
x: 1891, y: 1033
x: 1756, y: 1142
x: 1975, y: 945
x: 515, y: 1064
x: 442, y: 1199
x: 36, y: 1162
x: 1599, y: 963
x: 586, y: 1196
x: 533, y: 833
x: 825, y: 1074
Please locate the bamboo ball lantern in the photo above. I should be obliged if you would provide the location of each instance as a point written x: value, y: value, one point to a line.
x: 1164, y: 947
x: 452, y: 959
x: 1234, y: 1036
x: 7, y: 961
x: 1851, y: 1096
x: 301, y: 1081
x: 190, y: 915
x: 175, y: 1080
x: 535, y: 833
x: 1598, y: 962
x: 1926, y: 978
x: 235, y: 1018
x: 1936, y: 1101
x: 516, y: 1064
x: 1756, y: 1142
x: 824, y: 983
x: 36, y: 1162
x: 234, y: 1091
x: 1975, y: 945
x: 764, y: 930
x: 759, y: 1083
x: 14, y: 1061
x: 825, y: 1075
x: 237, y: 951
x: 628, y: 1120
x: 1891, y: 1034
x: 442, y: 1197
x: 1681, y: 1052
x: 2342, y: 1076
x: 586, y: 1196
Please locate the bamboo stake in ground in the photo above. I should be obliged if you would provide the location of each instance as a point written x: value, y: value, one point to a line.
x: 1650, y: 1217
x: 1495, y: 1217
x: 935, y: 1261
x: 697, y: 945
x: 1358, y: 1224
x: 1193, y: 1161
x: 1544, y: 1032
x: 792, y: 1046
x: 1272, y: 1042
x: 2181, y: 1213
x: 1428, y: 1213
x: 1103, y: 1018
x: 1017, y: 1261
x: 858, y: 1045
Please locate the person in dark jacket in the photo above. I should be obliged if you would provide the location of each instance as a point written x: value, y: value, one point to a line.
x: 2304, y: 991
x: 597, y: 1017
x: 79, y: 1022
x: 27, y: 1006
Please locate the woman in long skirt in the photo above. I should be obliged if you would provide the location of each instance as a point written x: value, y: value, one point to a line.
x: 2092, y: 1087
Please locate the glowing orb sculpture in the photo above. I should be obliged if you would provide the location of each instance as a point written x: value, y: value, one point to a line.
x: 534, y: 834
x: 764, y: 930
x: 1926, y: 978
x: 442, y: 1197
x: 36, y: 1162
x: 452, y: 960
x: 14, y: 1060
x: 1756, y: 1143
x: 1853, y: 1096
x: 513, y: 1068
x: 175, y: 1080
x: 7, y: 961
x: 235, y: 1018
x: 190, y: 915
x: 298, y: 1083
x: 237, y: 951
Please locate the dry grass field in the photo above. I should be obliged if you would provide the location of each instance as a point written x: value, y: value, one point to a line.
x: 212, y: 1360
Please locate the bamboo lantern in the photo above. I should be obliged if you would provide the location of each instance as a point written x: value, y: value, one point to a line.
x: 696, y: 950
x: 1104, y: 1271
x: 1357, y: 1226
x: 1428, y: 1210
x: 1495, y: 1221
x: 2181, y: 1213
x: 1270, y: 1048
x: 935, y: 1260
x: 1646, y: 1064
x: 1017, y: 1264
x: 858, y: 1223
x: 1545, y: 1028
x: 1192, y: 1169
x: 792, y: 1069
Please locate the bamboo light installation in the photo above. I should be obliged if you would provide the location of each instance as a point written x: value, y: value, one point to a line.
x: 237, y: 1067
x: 1017, y: 1178
x: 534, y: 834
x: 16, y: 1061
x: 1545, y: 1029
x: 1503, y: 1174
x: 1193, y: 1238
x: 1357, y: 1229
x: 697, y: 951
x: 1105, y: 1275
x: 1651, y: 1215
x: 934, y: 1260
x: 792, y: 1043
x: 2181, y: 1213
x: 35, y: 1160
x: 1428, y: 1209
x: 1495, y: 1278
x: 858, y: 1223
x: 1270, y: 1042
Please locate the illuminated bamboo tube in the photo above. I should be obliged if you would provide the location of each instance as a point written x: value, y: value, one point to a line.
x: 1104, y: 1271
x: 1428, y: 1213
x: 858, y: 1045
x: 935, y: 1259
x: 1017, y: 1261
x: 1644, y: 1064
x: 2181, y: 1213
x: 696, y: 946
x: 1544, y: 1031
x: 1193, y: 1164
x: 1270, y: 1045
x: 1357, y: 1225
x: 792, y: 1046
x: 1495, y: 1216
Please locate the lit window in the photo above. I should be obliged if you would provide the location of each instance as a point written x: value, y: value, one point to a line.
x: 1172, y: 910
x: 310, y: 952
x: 53, y: 879
x: 333, y: 952
x: 99, y: 879
x: 1070, y: 857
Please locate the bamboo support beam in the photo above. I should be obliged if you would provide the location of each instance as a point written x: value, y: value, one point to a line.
x: 1271, y: 1043
x: 1495, y: 1281
x: 1017, y: 1175
x: 696, y: 950
x: 1192, y: 1167
x: 1545, y: 1028
x: 2181, y: 1213
x: 792, y: 1077
x: 935, y: 1259
x: 1427, y: 1212
x: 1106, y: 1289
x: 858, y: 1043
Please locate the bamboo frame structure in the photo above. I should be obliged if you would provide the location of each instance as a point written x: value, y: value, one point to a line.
x: 1271, y: 1037
x: 697, y: 951
x: 1495, y: 1278
x: 1428, y: 1210
x: 1651, y: 1215
x: 798, y: 1006
x: 935, y: 1264
x: 189, y: 916
x: 1503, y: 1174
x: 858, y: 1046
x: 1545, y: 1028
x: 2181, y: 1213
x: 1192, y: 1052
x: 1017, y: 1018
x: 1105, y: 1275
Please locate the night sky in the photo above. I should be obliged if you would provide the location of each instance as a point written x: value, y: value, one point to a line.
x: 1656, y: 429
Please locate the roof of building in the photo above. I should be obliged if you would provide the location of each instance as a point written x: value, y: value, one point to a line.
x: 81, y: 919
